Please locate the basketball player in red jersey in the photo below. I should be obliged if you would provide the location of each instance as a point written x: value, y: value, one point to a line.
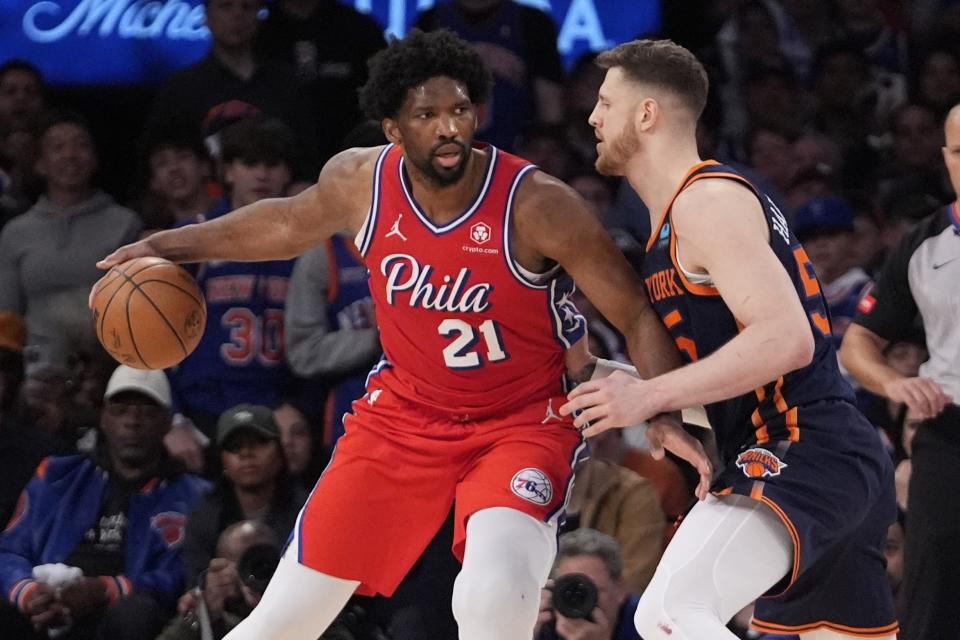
x: 798, y: 515
x: 468, y: 250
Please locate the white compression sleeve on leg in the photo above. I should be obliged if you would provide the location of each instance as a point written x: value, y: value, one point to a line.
x: 726, y: 554
x: 299, y: 603
x: 506, y: 562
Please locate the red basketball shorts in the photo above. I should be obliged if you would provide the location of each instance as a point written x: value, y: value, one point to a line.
x: 397, y: 471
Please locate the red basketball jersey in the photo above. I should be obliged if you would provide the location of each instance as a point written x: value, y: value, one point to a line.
x: 465, y: 330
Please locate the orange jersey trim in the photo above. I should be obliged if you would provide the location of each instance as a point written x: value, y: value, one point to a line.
x: 793, y: 536
x: 859, y: 632
x: 655, y: 234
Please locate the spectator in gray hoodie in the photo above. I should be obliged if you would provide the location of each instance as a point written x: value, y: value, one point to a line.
x: 48, y: 254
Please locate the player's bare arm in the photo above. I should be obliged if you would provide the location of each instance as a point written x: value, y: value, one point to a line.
x: 554, y: 223
x: 862, y: 354
x: 721, y: 231
x: 274, y: 228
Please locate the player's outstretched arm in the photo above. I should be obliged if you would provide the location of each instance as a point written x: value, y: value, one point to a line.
x: 722, y: 231
x: 274, y: 228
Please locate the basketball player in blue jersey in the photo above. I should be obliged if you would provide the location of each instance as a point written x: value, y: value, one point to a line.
x: 798, y: 515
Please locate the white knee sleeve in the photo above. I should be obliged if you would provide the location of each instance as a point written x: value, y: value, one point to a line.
x: 507, y: 560
x: 726, y: 554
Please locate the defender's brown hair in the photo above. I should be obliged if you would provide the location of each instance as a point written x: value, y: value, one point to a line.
x: 664, y: 64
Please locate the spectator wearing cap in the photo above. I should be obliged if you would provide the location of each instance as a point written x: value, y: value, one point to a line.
x: 825, y: 227
x: 94, y: 542
x: 48, y: 255
x: 232, y: 70
x: 254, y: 486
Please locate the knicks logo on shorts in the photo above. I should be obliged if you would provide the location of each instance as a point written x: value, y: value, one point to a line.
x: 760, y: 463
x: 532, y: 485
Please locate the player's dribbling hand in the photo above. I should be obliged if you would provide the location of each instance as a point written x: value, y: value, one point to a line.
x: 141, y: 249
x: 924, y: 397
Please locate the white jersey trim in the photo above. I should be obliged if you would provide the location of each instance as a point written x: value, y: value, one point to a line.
x: 450, y: 226
x: 364, y: 237
x: 523, y: 276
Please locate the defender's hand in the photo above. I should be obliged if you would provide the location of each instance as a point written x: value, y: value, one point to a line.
x: 141, y: 249
x: 614, y: 402
x: 667, y: 433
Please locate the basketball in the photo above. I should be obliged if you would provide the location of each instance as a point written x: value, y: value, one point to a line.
x: 149, y: 313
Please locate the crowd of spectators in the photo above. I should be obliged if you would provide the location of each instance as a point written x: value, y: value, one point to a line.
x: 832, y: 107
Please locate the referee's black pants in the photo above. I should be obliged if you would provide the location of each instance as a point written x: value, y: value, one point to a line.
x: 932, y: 555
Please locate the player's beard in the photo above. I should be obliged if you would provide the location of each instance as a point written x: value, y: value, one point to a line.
x: 616, y: 153
x: 447, y: 177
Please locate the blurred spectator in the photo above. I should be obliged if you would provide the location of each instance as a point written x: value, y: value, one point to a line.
x: 916, y: 160
x: 116, y: 520
x: 254, y: 486
x: 48, y: 255
x: 226, y: 597
x: 903, y: 209
x: 241, y: 355
x: 581, y: 89
x: 21, y: 448
x: 597, y: 557
x: 328, y: 45
x: 22, y: 95
x: 921, y: 277
x: 618, y: 502
x: 851, y: 99
x: 813, y: 182
x: 232, y: 70
x: 866, y: 24
x: 330, y: 329
x: 768, y: 152
x: 177, y: 171
x: 868, y: 248
x: 519, y: 45
x: 595, y: 189
x: 825, y: 227
x: 773, y: 100
x: 937, y: 80
x: 546, y: 148
x: 814, y: 150
x: 305, y: 457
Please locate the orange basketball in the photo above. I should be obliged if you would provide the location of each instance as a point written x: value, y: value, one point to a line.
x: 149, y: 313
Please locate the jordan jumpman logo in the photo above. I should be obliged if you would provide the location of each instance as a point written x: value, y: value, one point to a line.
x: 551, y: 414
x: 395, y: 229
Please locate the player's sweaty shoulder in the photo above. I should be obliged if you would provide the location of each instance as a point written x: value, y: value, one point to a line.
x: 346, y: 181
x: 546, y: 205
x: 711, y: 205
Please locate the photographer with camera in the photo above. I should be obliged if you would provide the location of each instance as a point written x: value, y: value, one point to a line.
x: 587, y: 598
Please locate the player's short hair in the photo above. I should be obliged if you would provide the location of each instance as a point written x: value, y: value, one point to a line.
x: 590, y: 542
x: 409, y: 62
x: 663, y: 64
x: 259, y: 138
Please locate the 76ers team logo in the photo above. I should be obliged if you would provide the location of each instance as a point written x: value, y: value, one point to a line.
x: 533, y: 485
x: 760, y: 463
x: 480, y: 233
x: 170, y: 525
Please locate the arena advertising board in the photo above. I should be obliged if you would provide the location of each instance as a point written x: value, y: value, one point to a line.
x: 141, y: 41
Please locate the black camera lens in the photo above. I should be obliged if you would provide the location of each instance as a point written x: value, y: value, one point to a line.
x: 256, y: 566
x: 574, y: 596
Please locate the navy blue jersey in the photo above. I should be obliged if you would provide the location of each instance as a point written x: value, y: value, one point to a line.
x: 700, y: 323
x: 241, y: 355
x: 349, y: 306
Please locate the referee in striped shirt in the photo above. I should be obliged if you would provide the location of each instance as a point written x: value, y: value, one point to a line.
x: 923, y: 276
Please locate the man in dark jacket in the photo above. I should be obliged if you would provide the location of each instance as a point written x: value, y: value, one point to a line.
x: 93, y: 547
